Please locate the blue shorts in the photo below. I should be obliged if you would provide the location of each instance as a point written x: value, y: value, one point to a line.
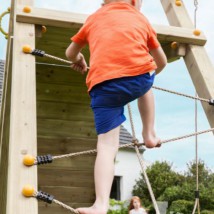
x: 109, y: 98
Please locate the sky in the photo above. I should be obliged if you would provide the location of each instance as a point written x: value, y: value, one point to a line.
x: 175, y: 115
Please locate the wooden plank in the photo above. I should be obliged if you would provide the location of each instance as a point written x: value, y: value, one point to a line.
x: 64, y: 145
x: 72, y: 20
x: 70, y: 194
x: 45, y: 208
x: 62, y: 93
x: 59, y: 75
x: 177, y: 16
x: 51, y: 17
x: 5, y: 117
x: 64, y: 111
x: 82, y: 162
x: 22, y: 121
x: 72, y: 178
x: 178, y: 34
x: 197, y: 61
x: 61, y: 128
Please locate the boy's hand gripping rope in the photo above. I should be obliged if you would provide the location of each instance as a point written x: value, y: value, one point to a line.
x: 36, y: 52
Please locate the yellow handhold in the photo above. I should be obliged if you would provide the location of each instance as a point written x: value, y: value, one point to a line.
x: 197, y: 32
x: 28, y: 191
x: 178, y: 3
x: 28, y: 160
x: 174, y: 45
x: 44, y: 29
x: 26, y: 49
x: 8, y: 9
x: 26, y: 9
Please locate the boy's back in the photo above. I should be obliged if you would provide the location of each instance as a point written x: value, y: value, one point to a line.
x: 120, y: 38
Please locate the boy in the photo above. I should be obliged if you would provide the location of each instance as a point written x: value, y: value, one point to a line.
x: 124, y: 52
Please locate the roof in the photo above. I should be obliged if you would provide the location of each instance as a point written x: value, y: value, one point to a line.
x: 126, y: 137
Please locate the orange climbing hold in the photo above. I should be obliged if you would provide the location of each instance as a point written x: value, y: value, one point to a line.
x: 27, y: 49
x: 44, y: 29
x: 178, y: 3
x: 28, y: 191
x: 197, y: 32
x: 174, y: 45
x: 28, y: 160
x: 26, y: 9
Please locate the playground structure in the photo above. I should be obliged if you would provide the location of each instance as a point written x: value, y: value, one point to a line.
x: 45, y: 109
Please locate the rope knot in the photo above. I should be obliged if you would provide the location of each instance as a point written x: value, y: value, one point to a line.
x: 136, y: 142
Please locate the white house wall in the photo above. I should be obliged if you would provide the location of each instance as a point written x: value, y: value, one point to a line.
x: 127, y: 166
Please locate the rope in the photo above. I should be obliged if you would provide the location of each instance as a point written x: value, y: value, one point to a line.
x: 72, y: 210
x: 197, y: 203
x: 132, y: 144
x: 141, y: 162
x: 65, y: 206
x: 147, y: 181
x: 181, y: 94
x: 155, y: 87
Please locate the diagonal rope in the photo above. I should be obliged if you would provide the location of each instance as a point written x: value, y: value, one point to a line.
x: 141, y: 162
x: 197, y: 202
x: 132, y: 144
x: 181, y: 94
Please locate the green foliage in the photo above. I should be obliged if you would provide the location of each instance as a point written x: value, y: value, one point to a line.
x: 207, y: 212
x: 161, y: 176
x: 181, y: 206
x: 118, y: 207
x: 177, y: 189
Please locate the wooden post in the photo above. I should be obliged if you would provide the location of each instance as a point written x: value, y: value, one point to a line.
x: 22, y: 131
x: 197, y: 61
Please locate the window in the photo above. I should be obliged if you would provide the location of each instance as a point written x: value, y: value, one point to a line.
x: 115, y: 189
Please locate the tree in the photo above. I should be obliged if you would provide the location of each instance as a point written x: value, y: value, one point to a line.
x: 177, y: 189
x: 161, y: 176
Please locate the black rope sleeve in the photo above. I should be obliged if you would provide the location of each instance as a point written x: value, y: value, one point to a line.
x: 38, y: 52
x: 211, y: 102
x: 43, y: 196
x: 197, y: 194
x: 44, y: 159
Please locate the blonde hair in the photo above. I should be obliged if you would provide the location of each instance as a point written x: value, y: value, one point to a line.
x: 131, y: 206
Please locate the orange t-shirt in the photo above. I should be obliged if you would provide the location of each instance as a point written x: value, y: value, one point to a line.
x: 119, y: 39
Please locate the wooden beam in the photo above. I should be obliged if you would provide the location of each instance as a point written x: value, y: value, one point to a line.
x: 197, y: 61
x: 73, y: 20
x: 22, y: 137
x: 51, y: 17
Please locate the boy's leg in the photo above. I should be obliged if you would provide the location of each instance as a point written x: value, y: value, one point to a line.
x: 147, y: 111
x: 107, y: 147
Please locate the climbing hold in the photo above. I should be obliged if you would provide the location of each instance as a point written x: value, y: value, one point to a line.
x: 178, y: 3
x: 26, y: 9
x: 174, y: 45
x: 8, y: 9
x: 197, y: 32
x: 28, y: 191
x: 44, y: 29
x: 27, y: 49
x: 28, y: 160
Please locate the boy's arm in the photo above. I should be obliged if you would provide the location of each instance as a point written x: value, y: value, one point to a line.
x: 160, y: 58
x: 73, y: 54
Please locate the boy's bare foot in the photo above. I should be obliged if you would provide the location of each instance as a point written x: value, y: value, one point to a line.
x: 91, y: 210
x: 151, y: 141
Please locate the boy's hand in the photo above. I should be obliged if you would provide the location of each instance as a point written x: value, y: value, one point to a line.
x: 80, y: 65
